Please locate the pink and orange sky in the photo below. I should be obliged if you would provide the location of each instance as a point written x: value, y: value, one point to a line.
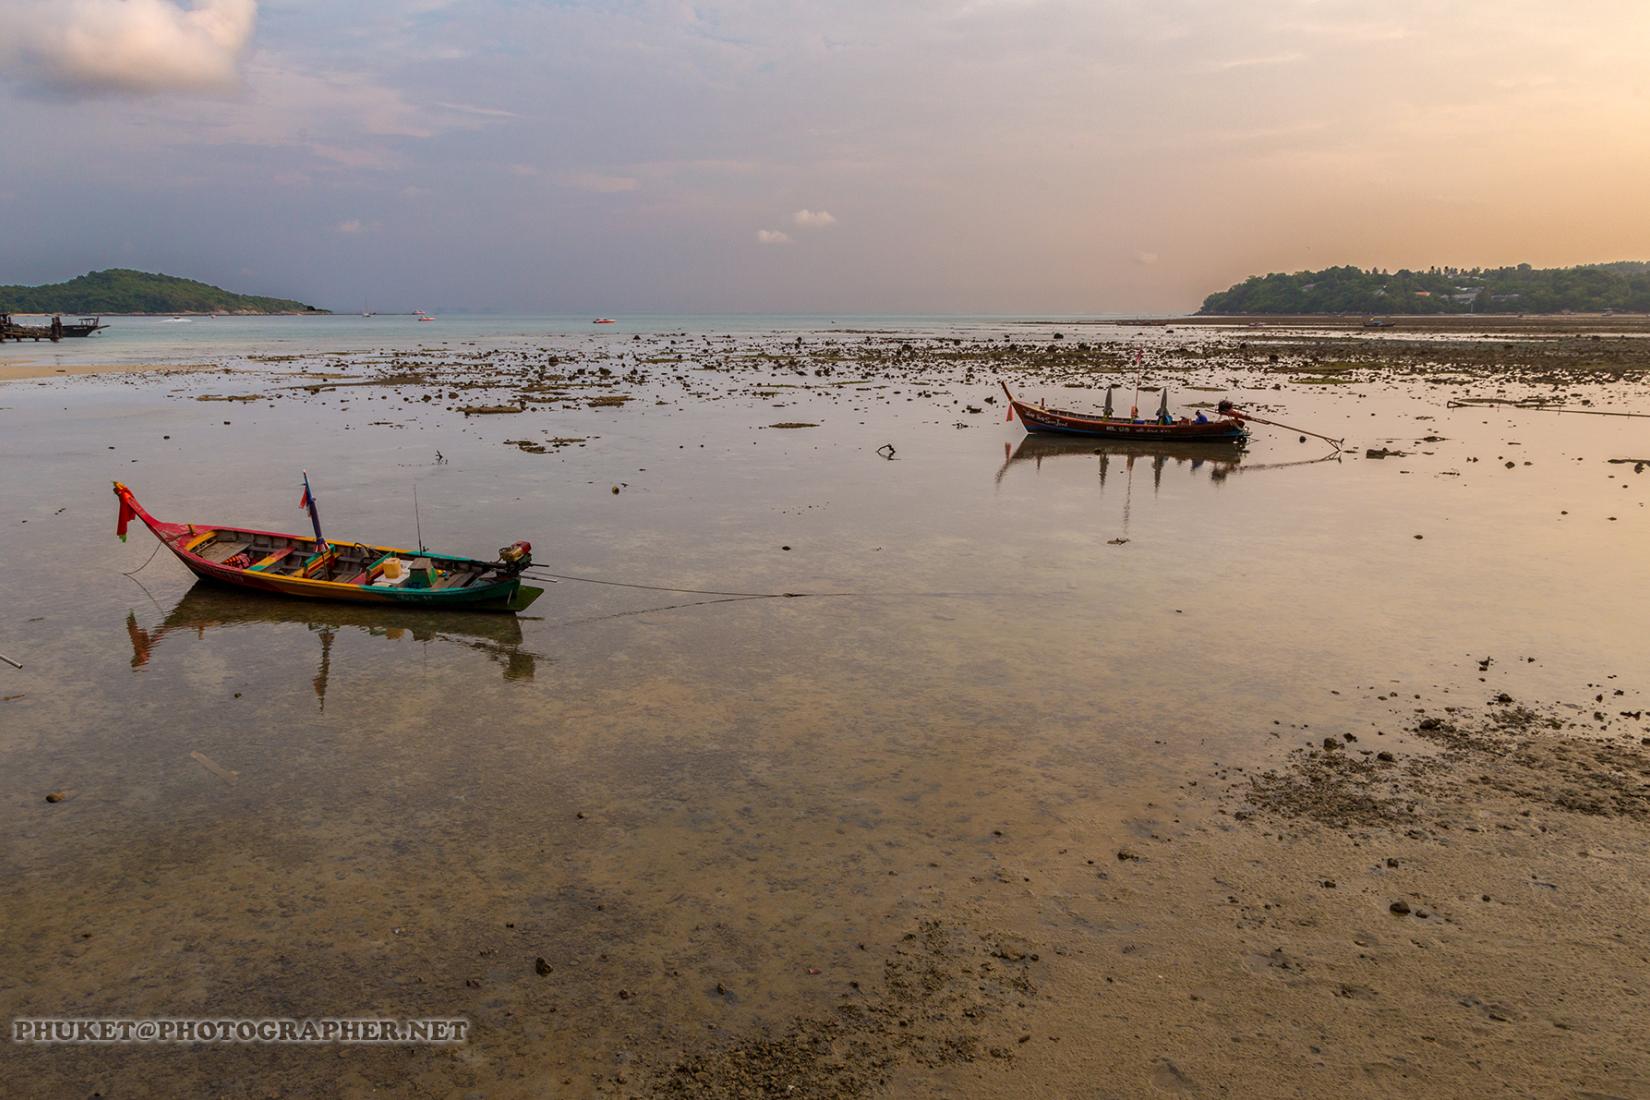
x: 1003, y: 156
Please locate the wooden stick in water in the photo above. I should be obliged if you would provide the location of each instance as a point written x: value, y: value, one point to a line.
x: 1273, y: 423
x: 1534, y: 406
x: 9, y: 661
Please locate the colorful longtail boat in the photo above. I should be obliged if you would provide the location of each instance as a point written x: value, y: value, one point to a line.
x: 321, y: 569
x: 1227, y: 428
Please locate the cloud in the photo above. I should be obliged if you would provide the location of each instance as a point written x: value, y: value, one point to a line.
x: 1145, y: 259
x: 89, y: 47
x: 813, y: 219
x: 352, y: 156
x: 353, y: 227
x: 1262, y: 61
x: 601, y: 184
x: 772, y: 236
x: 484, y: 112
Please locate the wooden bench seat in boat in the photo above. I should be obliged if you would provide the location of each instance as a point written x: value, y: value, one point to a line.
x: 221, y: 552
x: 318, y: 562
x: 274, y: 559
x: 454, y: 580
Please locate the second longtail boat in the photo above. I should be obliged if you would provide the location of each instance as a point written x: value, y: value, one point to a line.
x: 1227, y: 427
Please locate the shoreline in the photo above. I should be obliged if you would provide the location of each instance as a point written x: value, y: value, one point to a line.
x: 1556, y: 323
x: 24, y: 372
x: 189, y: 313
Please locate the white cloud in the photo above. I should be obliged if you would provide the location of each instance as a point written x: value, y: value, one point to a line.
x: 772, y: 236
x: 1259, y: 61
x: 143, y: 46
x: 813, y: 219
x: 484, y: 112
x: 1145, y: 259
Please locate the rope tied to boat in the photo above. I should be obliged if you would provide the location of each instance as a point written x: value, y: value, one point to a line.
x: 536, y: 574
x: 146, y: 562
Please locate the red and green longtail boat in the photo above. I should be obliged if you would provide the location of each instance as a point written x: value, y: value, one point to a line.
x: 319, y: 569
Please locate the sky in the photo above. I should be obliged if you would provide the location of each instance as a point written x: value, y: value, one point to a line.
x: 813, y: 156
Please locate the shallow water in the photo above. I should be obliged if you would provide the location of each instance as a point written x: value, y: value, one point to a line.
x: 228, y: 339
x: 658, y: 792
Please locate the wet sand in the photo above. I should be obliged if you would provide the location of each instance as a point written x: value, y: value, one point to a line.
x: 1089, y: 796
x: 18, y: 371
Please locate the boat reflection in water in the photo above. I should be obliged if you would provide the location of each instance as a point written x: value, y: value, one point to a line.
x: 207, y: 607
x: 1217, y: 459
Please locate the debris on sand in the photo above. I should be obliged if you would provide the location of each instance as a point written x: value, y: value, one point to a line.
x: 948, y: 996
x: 1531, y: 756
x: 227, y: 775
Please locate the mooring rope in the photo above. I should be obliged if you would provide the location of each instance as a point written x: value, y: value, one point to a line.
x: 532, y: 573
x: 146, y: 561
x: 538, y: 575
x: 651, y: 610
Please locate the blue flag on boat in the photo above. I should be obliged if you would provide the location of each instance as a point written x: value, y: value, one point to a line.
x: 307, y: 503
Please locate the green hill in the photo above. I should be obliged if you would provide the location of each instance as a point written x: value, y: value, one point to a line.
x: 121, y: 290
x: 1591, y: 288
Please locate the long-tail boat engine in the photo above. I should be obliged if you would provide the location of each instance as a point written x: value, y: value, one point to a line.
x: 517, y: 556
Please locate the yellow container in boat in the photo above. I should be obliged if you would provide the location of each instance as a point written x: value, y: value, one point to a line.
x: 392, y: 569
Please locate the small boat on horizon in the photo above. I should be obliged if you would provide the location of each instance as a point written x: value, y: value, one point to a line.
x: 604, y: 321
x: 1226, y: 428
x: 422, y: 316
x: 84, y: 327
x: 320, y: 569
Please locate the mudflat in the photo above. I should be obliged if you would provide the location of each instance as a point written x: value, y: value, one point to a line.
x: 1065, y: 769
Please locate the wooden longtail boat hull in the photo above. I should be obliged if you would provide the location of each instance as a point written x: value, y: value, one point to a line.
x: 487, y: 585
x: 1036, y: 418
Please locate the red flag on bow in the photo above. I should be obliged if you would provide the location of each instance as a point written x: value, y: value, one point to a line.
x: 127, y: 515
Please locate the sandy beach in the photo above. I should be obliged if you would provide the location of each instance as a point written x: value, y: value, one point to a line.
x: 21, y: 371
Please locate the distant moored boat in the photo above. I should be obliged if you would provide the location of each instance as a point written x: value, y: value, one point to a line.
x: 1228, y: 428
x: 84, y: 327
